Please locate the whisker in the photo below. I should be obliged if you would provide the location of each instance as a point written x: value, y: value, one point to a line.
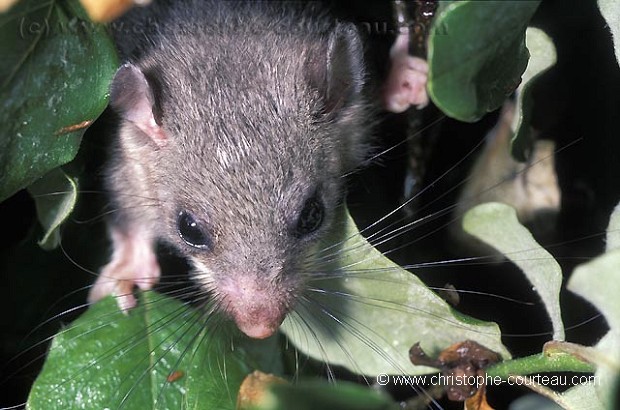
x: 105, y: 214
x: 330, y: 373
x: 195, y: 317
x: 356, y: 332
x: 397, y: 232
x: 92, y: 192
x: 408, y: 201
x: 364, y: 275
x: 387, y: 304
x: 74, y: 262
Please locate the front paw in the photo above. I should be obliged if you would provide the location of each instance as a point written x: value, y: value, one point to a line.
x: 110, y: 283
x: 406, y: 84
x: 133, y: 263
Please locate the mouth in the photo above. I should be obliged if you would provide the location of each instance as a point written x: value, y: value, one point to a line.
x: 260, y: 323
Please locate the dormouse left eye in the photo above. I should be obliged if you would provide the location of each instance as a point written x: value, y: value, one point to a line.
x: 311, y: 216
x: 191, y: 232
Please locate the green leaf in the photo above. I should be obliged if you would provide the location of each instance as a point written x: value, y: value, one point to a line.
x: 54, y: 79
x: 579, y: 398
x: 106, y: 359
x: 598, y: 281
x: 543, y: 56
x: 55, y: 195
x: 368, y: 313
x: 496, y: 224
x: 610, y: 9
x: 476, y: 55
x: 315, y: 394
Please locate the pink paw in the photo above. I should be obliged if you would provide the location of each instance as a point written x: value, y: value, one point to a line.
x: 133, y: 263
x: 406, y: 84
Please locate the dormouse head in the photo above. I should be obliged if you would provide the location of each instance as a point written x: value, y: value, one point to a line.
x: 246, y: 141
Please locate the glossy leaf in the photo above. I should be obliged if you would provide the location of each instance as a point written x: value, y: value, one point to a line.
x: 369, y: 312
x: 496, y: 224
x: 476, y: 55
x: 161, y: 355
x: 55, y: 195
x: 54, y: 80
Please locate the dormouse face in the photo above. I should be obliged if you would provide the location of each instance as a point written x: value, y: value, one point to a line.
x: 254, y: 201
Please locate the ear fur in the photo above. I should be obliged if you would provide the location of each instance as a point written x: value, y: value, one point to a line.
x: 339, y: 72
x: 131, y: 96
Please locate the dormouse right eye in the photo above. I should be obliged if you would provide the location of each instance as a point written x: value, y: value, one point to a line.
x: 192, y: 232
x: 311, y: 216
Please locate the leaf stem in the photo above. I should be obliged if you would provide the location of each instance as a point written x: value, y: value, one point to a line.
x: 540, y: 363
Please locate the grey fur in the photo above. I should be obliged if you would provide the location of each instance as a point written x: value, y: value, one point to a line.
x: 258, y: 114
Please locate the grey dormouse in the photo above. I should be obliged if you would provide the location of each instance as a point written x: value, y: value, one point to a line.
x: 237, y: 123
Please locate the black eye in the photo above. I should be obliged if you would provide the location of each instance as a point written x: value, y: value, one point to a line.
x: 311, y: 216
x: 191, y: 232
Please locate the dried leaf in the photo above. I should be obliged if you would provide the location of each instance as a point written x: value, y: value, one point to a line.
x: 463, y: 363
x: 6, y: 4
x: 104, y: 11
x: 254, y: 387
x: 478, y: 401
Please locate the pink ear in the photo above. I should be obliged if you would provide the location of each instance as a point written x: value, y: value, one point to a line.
x: 132, y: 97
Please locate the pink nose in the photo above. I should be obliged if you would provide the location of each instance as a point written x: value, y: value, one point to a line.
x: 256, y: 309
x: 257, y: 320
